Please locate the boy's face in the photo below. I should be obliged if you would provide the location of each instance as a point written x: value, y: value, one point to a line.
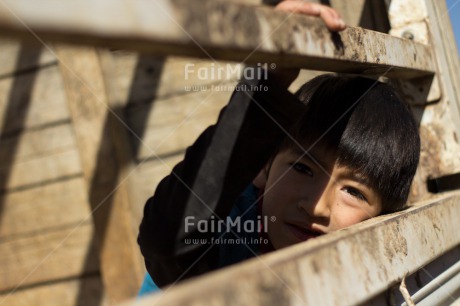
x: 311, y: 198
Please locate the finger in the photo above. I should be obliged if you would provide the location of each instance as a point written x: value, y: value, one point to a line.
x: 330, y: 16
x: 332, y: 19
x: 295, y: 6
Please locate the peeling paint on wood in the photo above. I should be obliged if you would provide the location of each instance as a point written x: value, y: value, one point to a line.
x: 220, y: 30
x: 321, y: 271
x: 439, y: 122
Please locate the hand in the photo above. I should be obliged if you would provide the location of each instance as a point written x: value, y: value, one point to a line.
x: 329, y: 15
x: 332, y: 19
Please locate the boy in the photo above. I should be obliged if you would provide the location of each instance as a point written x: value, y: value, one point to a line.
x: 348, y: 155
x: 351, y: 156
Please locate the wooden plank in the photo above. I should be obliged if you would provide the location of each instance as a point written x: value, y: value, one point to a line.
x: 118, y: 123
x: 142, y: 78
x: 176, y: 108
x: 43, y: 208
x: 172, y: 124
x: 47, y: 256
x: 36, y: 143
x: 371, y: 256
x: 17, y: 57
x: 439, y: 122
x: 176, y: 137
x: 36, y: 157
x: 86, y: 291
x: 105, y: 167
x: 39, y: 103
x: 160, y: 97
x: 220, y: 28
x: 447, y: 53
x: 40, y: 170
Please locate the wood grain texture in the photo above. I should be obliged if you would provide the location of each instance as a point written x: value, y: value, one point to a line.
x: 96, y: 123
x: 439, y: 122
x: 41, y: 169
x: 37, y: 143
x: 170, y: 125
x: 18, y: 56
x: 220, y: 30
x: 143, y: 78
x: 47, y: 256
x: 76, y: 292
x: 44, y: 208
x: 31, y: 100
x: 372, y: 255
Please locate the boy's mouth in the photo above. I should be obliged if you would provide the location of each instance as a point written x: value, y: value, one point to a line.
x: 303, y: 233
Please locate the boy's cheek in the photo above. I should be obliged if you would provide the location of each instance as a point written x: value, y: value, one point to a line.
x: 277, y: 236
x: 348, y: 216
x: 273, y: 213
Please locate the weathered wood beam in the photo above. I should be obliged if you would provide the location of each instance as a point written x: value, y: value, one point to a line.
x: 46, y: 256
x: 106, y: 170
x: 343, y: 268
x: 45, y: 105
x: 12, y: 62
x: 65, y: 292
x: 221, y: 30
x: 428, y: 22
x: 40, y: 214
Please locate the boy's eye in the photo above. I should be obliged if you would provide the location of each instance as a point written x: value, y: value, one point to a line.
x: 302, y: 168
x: 355, y: 193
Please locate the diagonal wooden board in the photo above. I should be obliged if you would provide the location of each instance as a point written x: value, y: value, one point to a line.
x: 347, y: 267
x: 106, y: 165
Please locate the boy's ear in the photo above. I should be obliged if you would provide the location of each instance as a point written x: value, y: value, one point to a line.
x: 261, y: 179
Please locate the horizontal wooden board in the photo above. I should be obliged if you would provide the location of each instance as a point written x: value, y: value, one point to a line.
x: 346, y: 267
x: 170, y: 125
x: 220, y: 30
x: 48, y: 256
x: 87, y: 291
x: 171, y: 138
x: 35, y: 143
x: 38, y: 170
x: 139, y: 79
x: 16, y: 56
x: 43, y: 208
x: 31, y: 100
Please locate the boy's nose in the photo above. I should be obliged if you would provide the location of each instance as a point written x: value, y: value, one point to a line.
x: 318, y: 205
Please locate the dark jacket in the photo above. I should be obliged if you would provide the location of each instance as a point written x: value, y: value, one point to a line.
x: 215, y: 170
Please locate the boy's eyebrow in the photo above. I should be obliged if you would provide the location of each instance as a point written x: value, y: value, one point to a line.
x: 360, y: 178
x: 309, y: 154
x: 353, y: 175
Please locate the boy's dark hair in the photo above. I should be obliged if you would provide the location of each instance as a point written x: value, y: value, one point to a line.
x: 369, y: 126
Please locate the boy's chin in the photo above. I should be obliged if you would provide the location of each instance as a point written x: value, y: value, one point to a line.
x: 301, y: 234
